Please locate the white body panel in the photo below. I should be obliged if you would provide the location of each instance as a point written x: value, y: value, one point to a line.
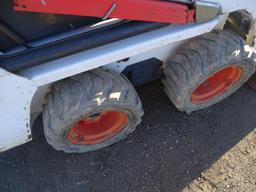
x: 17, y: 92
x: 15, y: 99
x: 87, y: 60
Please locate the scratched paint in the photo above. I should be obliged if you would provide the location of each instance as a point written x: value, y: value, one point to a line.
x: 15, y: 110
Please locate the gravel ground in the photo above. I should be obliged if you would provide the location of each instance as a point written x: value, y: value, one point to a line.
x: 210, y: 150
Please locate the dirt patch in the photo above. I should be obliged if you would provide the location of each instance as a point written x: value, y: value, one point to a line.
x: 235, y: 171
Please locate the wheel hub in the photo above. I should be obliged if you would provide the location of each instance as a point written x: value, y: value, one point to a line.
x: 97, y: 128
x: 216, y: 85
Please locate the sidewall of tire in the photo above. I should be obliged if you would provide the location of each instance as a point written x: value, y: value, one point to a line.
x: 248, y: 70
x: 64, y: 128
x: 199, y: 59
x: 56, y: 127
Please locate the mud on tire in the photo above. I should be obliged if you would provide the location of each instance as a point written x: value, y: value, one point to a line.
x: 201, y: 58
x: 85, y: 94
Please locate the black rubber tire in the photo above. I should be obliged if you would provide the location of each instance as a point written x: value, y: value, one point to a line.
x: 76, y: 97
x: 199, y: 59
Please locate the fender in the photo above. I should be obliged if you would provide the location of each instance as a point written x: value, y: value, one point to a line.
x: 15, y: 99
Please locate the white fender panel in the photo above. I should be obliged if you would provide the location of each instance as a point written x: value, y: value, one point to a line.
x: 15, y: 98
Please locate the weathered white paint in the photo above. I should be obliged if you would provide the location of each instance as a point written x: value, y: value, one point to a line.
x: 87, y: 60
x: 162, y: 54
x: 15, y: 98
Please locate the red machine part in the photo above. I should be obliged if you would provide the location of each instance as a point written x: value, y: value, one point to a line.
x: 143, y: 10
x: 97, y: 129
x: 216, y: 85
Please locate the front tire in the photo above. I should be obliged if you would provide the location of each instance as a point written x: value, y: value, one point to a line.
x: 91, y: 111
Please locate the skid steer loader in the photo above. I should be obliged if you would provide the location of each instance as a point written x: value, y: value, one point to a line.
x: 77, y: 63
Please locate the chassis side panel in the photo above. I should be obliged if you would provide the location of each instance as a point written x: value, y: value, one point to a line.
x: 71, y: 65
x: 15, y: 99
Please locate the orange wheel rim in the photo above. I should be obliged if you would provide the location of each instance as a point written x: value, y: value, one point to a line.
x: 216, y: 85
x: 97, y: 128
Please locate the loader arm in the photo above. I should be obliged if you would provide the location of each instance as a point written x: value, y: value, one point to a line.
x: 142, y: 10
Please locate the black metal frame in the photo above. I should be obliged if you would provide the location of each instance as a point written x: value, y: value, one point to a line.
x: 75, y: 44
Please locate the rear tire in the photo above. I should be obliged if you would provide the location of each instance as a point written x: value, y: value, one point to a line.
x: 207, y: 59
x: 81, y: 98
